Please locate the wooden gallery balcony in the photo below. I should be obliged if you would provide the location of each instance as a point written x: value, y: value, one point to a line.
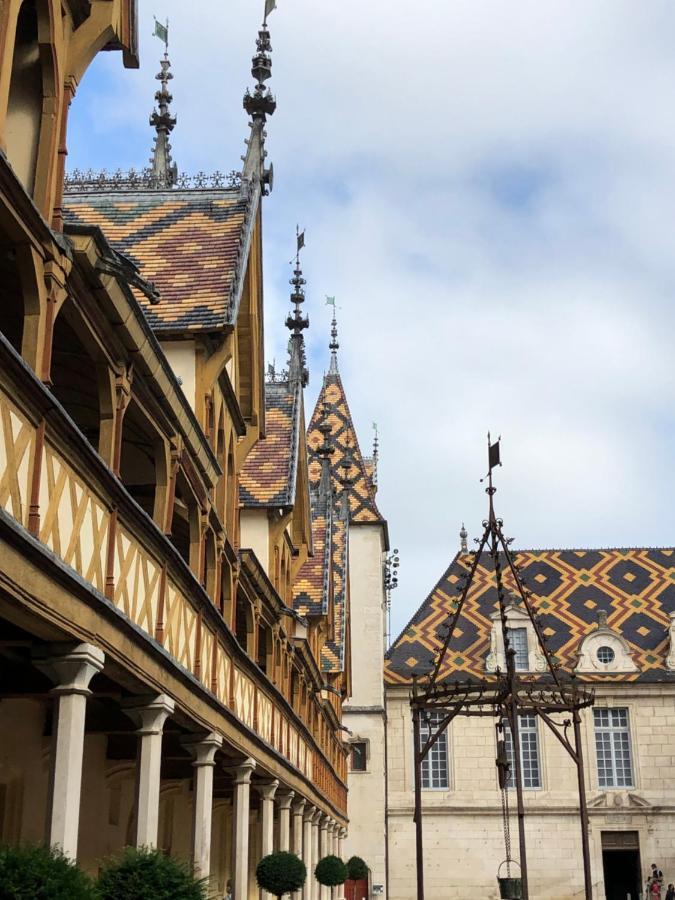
x: 85, y: 560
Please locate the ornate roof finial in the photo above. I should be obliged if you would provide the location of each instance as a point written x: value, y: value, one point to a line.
x: 162, y: 169
x: 376, y: 453
x: 463, y: 545
x: 296, y: 322
x: 259, y: 105
x: 334, y: 345
x: 346, y: 480
x: 325, y: 451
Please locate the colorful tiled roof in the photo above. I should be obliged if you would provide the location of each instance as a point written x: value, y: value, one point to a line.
x: 269, y: 473
x: 312, y: 586
x: 322, y: 580
x: 362, y: 499
x: 190, y: 244
x: 635, y: 587
x: 333, y: 651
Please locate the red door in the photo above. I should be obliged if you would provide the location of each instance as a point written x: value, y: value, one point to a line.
x: 356, y: 890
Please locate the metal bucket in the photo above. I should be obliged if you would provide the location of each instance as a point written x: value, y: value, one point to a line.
x: 509, y: 888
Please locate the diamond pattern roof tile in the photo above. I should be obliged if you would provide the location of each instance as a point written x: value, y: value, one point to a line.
x: 576, y: 584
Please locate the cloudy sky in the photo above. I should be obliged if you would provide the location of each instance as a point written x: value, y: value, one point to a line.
x: 488, y: 189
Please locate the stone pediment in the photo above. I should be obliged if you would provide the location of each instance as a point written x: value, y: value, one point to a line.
x: 617, y: 800
x: 604, y: 650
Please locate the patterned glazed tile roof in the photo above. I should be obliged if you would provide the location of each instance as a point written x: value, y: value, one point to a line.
x: 362, y: 499
x: 635, y: 587
x: 269, y: 473
x: 323, y: 579
x: 333, y: 651
x: 188, y: 243
x: 312, y: 585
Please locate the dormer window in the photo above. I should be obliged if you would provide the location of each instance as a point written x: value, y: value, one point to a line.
x: 521, y: 637
x: 517, y: 638
x: 605, y: 650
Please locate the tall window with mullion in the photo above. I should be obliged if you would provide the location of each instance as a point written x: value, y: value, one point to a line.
x: 517, y: 638
x: 529, y: 753
x: 612, y: 747
x: 435, y: 763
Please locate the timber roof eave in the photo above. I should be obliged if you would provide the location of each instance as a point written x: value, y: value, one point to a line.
x: 232, y: 403
x: 251, y: 566
x: 90, y: 245
x: 239, y: 276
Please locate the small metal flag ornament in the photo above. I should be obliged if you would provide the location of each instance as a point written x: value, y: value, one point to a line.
x: 162, y: 32
x: 301, y: 240
x: 330, y: 301
x: 269, y: 6
x: 493, y: 454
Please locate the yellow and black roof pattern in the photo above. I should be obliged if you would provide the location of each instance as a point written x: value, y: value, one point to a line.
x: 321, y: 586
x: 269, y: 474
x: 362, y: 499
x: 635, y: 587
x: 191, y: 244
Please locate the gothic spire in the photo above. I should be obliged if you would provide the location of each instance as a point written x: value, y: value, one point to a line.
x: 334, y: 345
x: 259, y: 105
x: 296, y: 322
x: 162, y: 169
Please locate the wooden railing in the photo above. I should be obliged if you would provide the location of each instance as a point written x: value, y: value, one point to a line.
x: 54, y: 484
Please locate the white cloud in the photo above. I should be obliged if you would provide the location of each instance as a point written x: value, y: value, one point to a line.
x: 487, y: 188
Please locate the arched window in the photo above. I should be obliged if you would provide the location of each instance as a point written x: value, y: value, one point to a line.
x: 141, y: 459
x: 72, y: 382
x: 243, y: 625
x: 185, y: 523
x: 221, y: 486
x: 231, y: 491
x: 264, y: 647
x: 24, y: 110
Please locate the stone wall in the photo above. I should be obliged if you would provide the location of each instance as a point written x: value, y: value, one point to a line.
x: 463, y: 837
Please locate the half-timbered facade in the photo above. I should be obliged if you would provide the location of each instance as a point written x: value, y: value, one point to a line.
x: 174, y: 590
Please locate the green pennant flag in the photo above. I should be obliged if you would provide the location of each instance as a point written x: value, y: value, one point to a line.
x: 162, y: 31
x: 330, y: 301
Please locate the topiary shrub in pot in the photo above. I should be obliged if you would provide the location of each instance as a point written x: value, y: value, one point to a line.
x: 356, y: 868
x: 330, y: 871
x: 147, y: 874
x: 280, y: 873
x: 41, y: 873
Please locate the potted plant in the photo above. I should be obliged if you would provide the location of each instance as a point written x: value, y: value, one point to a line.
x: 280, y: 873
x: 330, y: 871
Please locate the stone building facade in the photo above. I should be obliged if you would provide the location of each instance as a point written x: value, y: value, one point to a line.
x: 175, y: 611
x: 609, y: 617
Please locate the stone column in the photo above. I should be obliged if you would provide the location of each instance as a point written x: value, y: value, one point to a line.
x: 203, y: 748
x: 241, y: 817
x: 316, y: 887
x: 284, y: 799
x: 342, y: 834
x: 150, y: 715
x: 267, y: 790
x: 324, y: 822
x: 71, y: 670
x: 307, y: 851
x: 298, y: 810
